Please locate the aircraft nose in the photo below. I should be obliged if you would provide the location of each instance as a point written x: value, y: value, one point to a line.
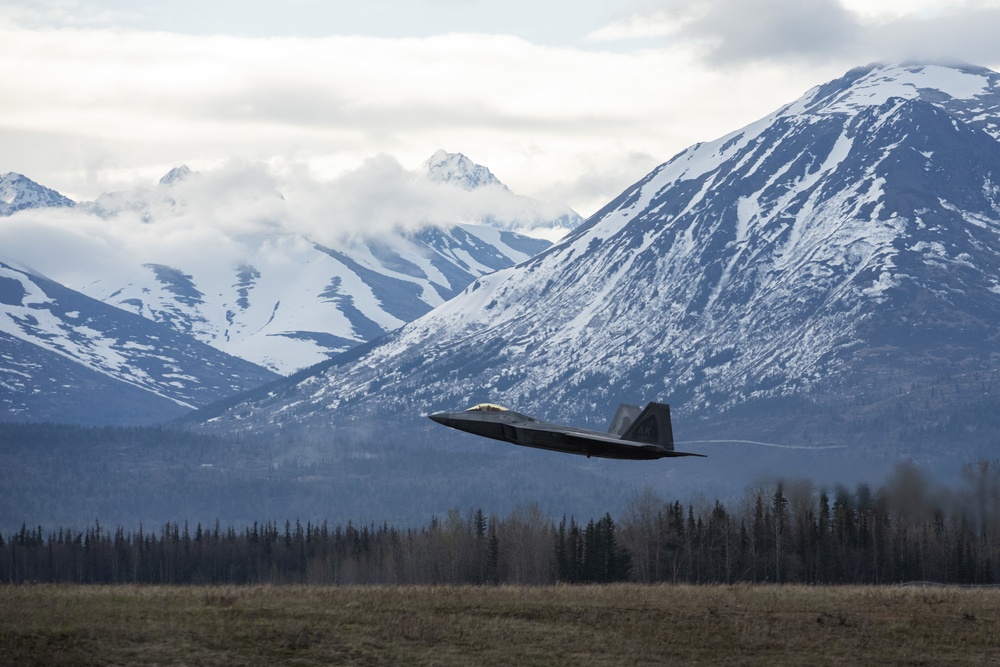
x: 440, y: 418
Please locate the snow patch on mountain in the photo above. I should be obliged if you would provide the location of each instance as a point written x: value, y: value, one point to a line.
x: 47, y: 317
x: 855, y: 225
x: 882, y: 83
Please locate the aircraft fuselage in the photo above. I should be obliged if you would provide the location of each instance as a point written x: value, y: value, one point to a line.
x: 648, y: 440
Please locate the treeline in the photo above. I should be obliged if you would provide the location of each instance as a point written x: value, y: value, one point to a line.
x: 907, y: 530
x: 474, y: 549
x: 788, y: 532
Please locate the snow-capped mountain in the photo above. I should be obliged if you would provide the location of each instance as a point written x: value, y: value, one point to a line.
x: 18, y: 193
x: 234, y: 273
x: 68, y: 358
x: 458, y: 170
x: 499, y: 207
x: 176, y: 174
x: 285, y: 302
x: 842, y: 251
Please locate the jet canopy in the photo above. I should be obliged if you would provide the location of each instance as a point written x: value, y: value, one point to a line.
x: 487, y: 407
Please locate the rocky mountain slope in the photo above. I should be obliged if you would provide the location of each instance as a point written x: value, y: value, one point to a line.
x: 65, y: 357
x: 18, y: 193
x: 829, y: 269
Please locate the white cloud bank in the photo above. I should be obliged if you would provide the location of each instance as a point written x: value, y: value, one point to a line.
x: 734, y: 32
x: 97, y: 110
x: 221, y: 212
x: 87, y: 110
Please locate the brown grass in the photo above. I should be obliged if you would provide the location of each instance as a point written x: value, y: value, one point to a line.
x: 562, y: 625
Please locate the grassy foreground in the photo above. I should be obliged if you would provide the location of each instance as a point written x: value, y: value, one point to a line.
x: 562, y: 625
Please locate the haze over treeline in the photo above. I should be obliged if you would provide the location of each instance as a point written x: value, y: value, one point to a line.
x: 789, y: 532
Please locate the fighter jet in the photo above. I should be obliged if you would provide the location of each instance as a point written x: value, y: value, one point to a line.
x: 632, y: 435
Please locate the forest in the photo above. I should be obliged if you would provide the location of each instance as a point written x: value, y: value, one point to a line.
x: 788, y: 532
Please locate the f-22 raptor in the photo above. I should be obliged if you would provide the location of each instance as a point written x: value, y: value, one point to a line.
x: 633, y: 434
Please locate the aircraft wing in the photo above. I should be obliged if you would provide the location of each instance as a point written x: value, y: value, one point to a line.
x: 590, y: 436
x: 609, y: 446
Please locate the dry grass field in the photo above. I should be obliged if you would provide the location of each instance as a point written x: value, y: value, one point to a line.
x: 481, y: 626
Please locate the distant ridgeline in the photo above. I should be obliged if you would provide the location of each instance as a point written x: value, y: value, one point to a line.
x: 787, y: 533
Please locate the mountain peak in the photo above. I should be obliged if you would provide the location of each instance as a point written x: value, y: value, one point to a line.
x: 176, y: 174
x: 18, y: 192
x: 969, y: 92
x: 837, y: 250
x: 457, y: 169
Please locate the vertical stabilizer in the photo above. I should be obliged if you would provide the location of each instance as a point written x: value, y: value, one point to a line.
x: 652, y: 427
x: 624, y: 418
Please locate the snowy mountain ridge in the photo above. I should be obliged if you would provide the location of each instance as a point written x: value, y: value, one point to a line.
x: 843, y: 248
x: 235, y: 276
x: 458, y: 170
x: 499, y: 207
x: 18, y: 193
x: 66, y: 357
x: 287, y: 303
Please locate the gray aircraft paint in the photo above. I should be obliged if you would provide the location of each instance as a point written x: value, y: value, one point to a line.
x: 631, y: 435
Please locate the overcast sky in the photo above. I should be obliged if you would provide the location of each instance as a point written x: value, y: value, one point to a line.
x: 568, y: 101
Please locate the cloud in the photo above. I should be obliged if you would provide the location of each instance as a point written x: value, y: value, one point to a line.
x: 728, y: 29
x: 737, y: 32
x: 775, y: 29
x: 596, y: 182
x: 109, y: 109
x: 240, y: 210
x: 658, y: 23
x: 970, y: 35
x: 106, y: 108
x: 202, y: 216
x: 66, y: 12
x: 100, y: 110
x: 380, y: 196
